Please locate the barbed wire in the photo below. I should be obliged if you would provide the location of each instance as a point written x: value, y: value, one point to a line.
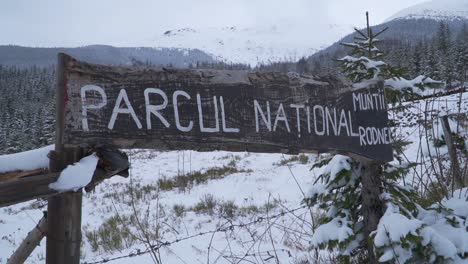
x: 221, y: 229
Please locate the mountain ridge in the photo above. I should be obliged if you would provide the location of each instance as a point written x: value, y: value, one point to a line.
x: 103, y: 54
x: 435, y: 9
x: 406, y: 30
x: 253, y: 46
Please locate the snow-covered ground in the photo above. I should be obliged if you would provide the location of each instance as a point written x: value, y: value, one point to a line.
x: 239, y: 213
x: 261, y: 183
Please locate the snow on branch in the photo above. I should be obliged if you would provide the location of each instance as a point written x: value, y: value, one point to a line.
x: 362, y: 68
x: 440, y: 232
x: 418, y: 85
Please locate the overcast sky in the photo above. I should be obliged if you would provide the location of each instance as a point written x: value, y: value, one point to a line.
x: 137, y: 22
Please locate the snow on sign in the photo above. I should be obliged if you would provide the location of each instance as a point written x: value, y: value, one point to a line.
x: 221, y: 110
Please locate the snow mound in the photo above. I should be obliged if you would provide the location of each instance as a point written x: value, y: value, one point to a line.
x: 435, y: 9
x: 28, y: 160
x: 394, y: 226
x: 76, y: 176
x: 338, y: 229
x: 458, y: 203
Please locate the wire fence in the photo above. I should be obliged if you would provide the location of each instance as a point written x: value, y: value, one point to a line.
x: 221, y: 229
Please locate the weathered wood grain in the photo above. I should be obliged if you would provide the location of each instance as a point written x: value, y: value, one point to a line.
x: 25, y: 189
x: 239, y: 90
x: 28, y: 245
x: 35, y: 184
x: 64, y: 209
x: 13, y: 175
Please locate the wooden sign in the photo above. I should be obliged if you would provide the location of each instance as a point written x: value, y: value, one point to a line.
x: 206, y: 110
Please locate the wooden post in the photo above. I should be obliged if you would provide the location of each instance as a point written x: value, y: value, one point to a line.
x: 29, y: 243
x: 457, y: 180
x: 64, y: 229
x: 372, y: 206
x: 64, y: 210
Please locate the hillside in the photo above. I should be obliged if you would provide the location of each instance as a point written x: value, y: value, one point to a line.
x: 435, y: 9
x: 430, y: 33
x: 29, y: 56
x: 253, y: 46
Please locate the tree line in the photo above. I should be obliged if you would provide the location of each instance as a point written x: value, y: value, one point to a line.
x: 442, y: 56
x: 27, y: 108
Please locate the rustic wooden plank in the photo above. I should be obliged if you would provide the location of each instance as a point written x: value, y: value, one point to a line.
x: 209, y: 110
x: 111, y: 162
x: 28, y: 245
x: 25, y: 189
x: 13, y: 175
x: 37, y: 186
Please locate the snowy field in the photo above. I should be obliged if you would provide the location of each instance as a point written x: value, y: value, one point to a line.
x: 261, y: 187
x: 215, y: 207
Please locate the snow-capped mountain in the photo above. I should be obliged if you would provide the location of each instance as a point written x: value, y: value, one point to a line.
x: 416, y: 24
x: 435, y: 9
x: 254, y: 45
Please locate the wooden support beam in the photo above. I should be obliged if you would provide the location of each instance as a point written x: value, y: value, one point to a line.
x: 63, y: 210
x: 64, y: 217
x: 25, y: 189
x: 33, y: 186
x: 64, y: 229
x: 29, y: 243
x: 457, y: 179
x: 13, y: 175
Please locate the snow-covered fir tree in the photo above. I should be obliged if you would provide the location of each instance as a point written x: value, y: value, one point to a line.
x: 407, y: 232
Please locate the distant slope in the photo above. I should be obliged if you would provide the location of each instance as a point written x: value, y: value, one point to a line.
x: 407, y: 27
x: 407, y: 30
x: 254, y: 46
x: 27, y: 56
x: 401, y: 32
x: 435, y: 9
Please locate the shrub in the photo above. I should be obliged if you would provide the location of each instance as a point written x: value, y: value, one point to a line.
x: 179, y: 210
x: 301, y: 158
x: 206, y: 204
x: 228, y: 209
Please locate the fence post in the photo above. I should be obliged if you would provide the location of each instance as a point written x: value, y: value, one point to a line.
x: 457, y: 180
x: 64, y: 210
x: 372, y: 206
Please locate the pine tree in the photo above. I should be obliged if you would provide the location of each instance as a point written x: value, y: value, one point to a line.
x: 302, y: 66
x: 461, y: 61
x: 365, y: 64
x: 338, y: 190
x: 417, y: 59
